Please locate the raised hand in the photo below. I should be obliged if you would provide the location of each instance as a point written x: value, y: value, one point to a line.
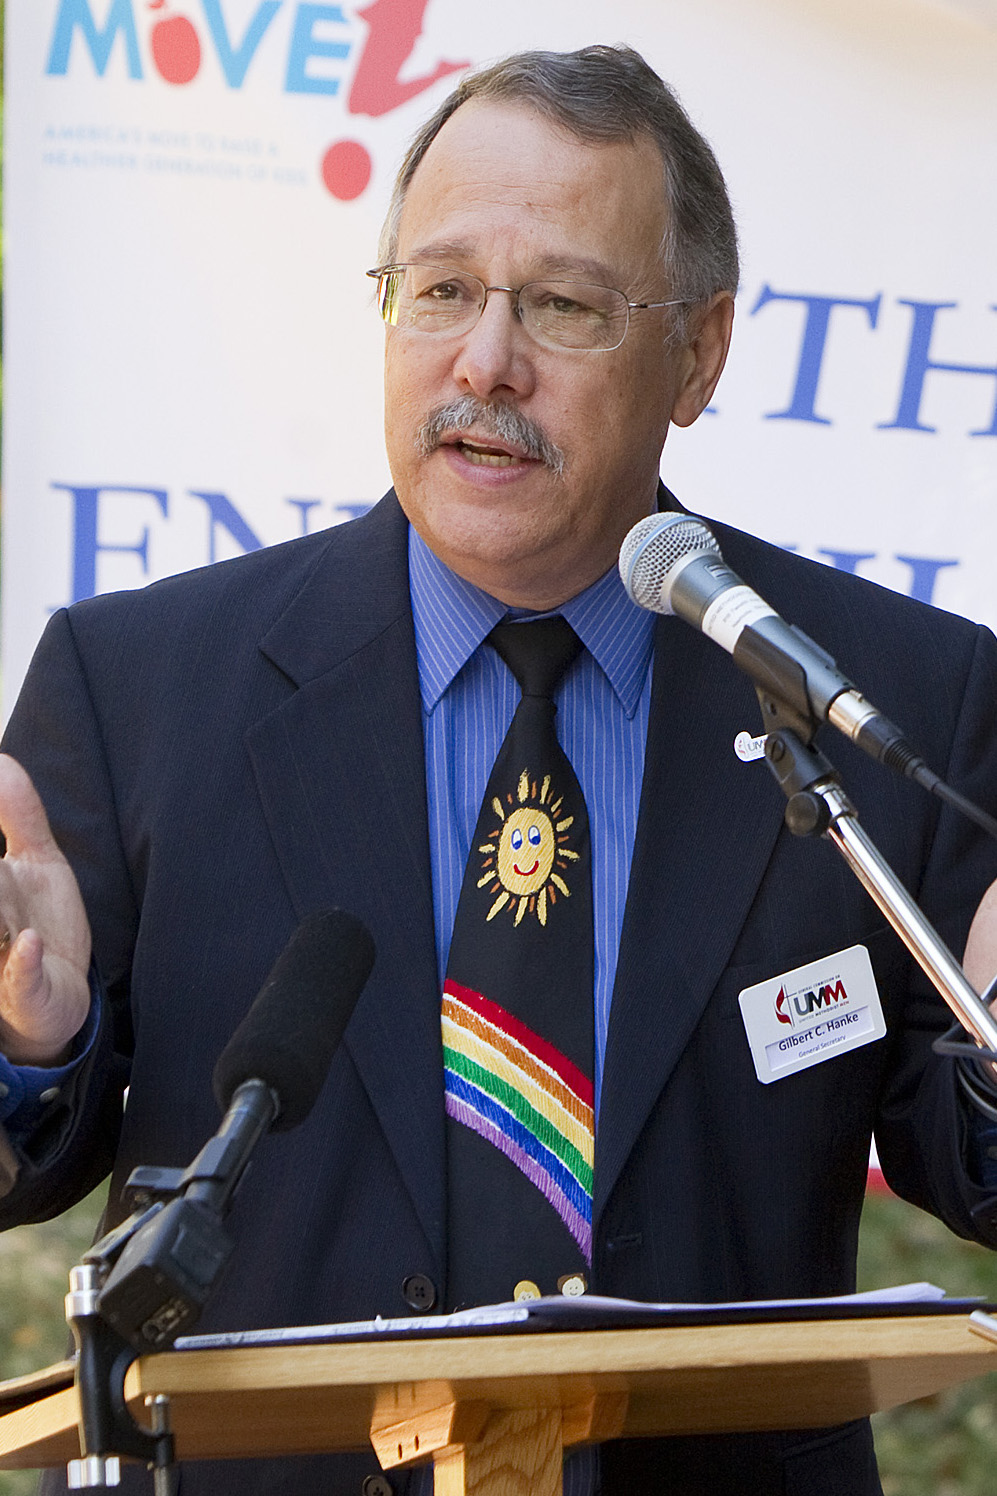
x: 44, y: 932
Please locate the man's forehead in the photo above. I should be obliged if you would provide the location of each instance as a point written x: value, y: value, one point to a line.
x: 498, y: 168
x: 499, y: 135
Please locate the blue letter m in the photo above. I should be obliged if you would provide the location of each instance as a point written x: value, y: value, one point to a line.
x: 73, y: 13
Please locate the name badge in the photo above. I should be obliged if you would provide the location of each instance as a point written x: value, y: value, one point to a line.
x: 812, y: 1014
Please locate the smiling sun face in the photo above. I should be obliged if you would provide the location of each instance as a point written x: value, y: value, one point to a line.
x: 528, y: 851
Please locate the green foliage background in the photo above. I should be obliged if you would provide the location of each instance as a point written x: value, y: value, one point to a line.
x: 941, y: 1446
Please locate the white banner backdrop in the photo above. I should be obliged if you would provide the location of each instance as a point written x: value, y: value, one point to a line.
x: 193, y: 191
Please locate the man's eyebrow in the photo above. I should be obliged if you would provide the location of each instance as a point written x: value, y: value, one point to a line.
x: 441, y: 252
x: 566, y: 267
x: 572, y: 266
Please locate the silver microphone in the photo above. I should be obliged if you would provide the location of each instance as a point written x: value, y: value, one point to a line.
x: 671, y: 563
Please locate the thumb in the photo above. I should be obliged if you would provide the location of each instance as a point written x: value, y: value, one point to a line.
x: 22, y: 814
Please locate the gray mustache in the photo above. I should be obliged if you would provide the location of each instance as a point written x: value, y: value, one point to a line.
x: 501, y: 421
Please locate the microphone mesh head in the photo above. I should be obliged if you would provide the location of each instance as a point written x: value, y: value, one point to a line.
x: 652, y: 548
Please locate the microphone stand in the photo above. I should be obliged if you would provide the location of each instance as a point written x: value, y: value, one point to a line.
x: 106, y: 1426
x: 818, y: 806
x: 146, y: 1281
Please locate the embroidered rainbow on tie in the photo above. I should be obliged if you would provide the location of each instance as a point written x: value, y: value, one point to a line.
x: 525, y: 1097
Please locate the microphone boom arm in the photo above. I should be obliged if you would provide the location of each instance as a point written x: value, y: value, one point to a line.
x: 817, y: 805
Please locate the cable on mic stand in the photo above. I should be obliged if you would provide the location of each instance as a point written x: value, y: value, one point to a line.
x: 671, y: 564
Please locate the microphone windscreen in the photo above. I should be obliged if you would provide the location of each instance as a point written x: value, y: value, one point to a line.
x: 653, y: 547
x: 299, y: 1015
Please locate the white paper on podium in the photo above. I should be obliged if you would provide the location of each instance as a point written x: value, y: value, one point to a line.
x: 592, y: 1312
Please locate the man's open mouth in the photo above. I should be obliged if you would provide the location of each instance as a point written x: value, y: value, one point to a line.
x: 484, y: 455
x: 488, y: 435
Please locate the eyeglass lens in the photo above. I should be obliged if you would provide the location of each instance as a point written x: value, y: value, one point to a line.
x: 563, y: 314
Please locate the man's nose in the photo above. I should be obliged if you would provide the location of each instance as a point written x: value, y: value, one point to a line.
x: 497, y: 353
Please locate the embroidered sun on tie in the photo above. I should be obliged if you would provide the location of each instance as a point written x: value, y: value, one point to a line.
x: 517, y: 1003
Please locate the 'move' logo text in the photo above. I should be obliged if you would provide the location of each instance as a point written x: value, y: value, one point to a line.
x: 322, y: 49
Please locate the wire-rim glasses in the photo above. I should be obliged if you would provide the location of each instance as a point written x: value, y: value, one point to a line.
x: 441, y: 302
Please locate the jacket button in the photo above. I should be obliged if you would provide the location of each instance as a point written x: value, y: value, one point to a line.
x: 419, y: 1292
x: 377, y: 1485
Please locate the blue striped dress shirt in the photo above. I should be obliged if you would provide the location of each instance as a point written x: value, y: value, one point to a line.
x: 469, y: 696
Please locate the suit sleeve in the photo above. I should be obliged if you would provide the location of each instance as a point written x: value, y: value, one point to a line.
x: 55, y: 734
x: 929, y: 1137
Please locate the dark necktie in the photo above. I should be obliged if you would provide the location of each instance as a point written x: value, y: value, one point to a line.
x: 517, y: 1005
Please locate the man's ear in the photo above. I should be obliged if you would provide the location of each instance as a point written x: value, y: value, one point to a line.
x: 702, y: 360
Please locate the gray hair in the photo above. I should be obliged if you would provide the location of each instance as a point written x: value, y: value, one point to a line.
x: 604, y: 94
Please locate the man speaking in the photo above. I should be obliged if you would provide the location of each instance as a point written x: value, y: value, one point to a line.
x: 449, y: 718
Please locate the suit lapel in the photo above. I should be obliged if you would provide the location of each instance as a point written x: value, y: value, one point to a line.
x: 341, y: 774
x: 705, y: 832
x: 341, y: 764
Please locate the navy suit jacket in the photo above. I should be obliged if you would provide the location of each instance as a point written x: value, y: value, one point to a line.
x: 230, y: 749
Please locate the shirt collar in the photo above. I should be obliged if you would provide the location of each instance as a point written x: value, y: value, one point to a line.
x: 452, y: 617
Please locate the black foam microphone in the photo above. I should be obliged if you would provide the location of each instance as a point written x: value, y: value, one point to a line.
x: 288, y: 1037
x: 268, y: 1077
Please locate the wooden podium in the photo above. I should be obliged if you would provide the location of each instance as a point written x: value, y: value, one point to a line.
x: 494, y: 1412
